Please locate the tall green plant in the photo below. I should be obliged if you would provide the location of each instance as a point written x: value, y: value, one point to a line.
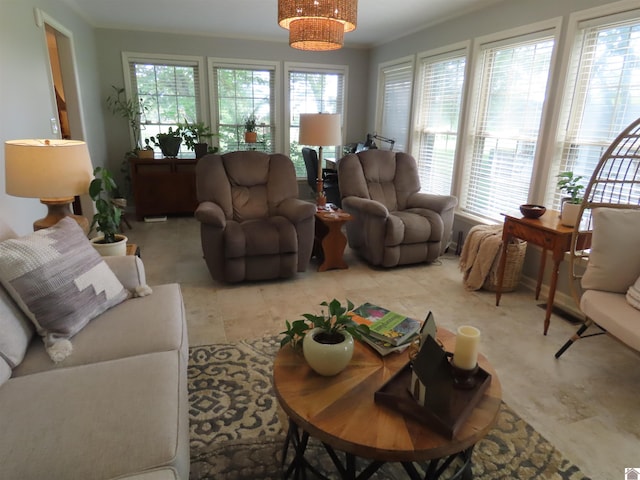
x: 107, y: 218
x: 130, y: 109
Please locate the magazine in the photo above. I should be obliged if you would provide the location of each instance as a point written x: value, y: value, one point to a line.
x: 386, y: 325
x: 385, y: 348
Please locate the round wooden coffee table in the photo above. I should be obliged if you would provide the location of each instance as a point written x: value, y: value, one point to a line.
x: 340, y: 411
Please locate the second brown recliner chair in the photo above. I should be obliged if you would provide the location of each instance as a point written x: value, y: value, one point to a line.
x: 253, y: 226
x: 394, y: 224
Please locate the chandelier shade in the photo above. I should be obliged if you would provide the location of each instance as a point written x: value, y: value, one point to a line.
x: 317, y: 24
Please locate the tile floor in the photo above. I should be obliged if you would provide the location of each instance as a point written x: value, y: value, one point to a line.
x: 587, y: 403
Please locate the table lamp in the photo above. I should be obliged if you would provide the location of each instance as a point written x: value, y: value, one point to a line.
x: 320, y: 129
x: 53, y: 171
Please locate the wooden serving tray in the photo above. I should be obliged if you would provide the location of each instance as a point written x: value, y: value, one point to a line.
x: 446, y: 408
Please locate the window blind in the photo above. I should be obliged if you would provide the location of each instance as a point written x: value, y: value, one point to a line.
x: 169, y: 94
x: 602, y: 95
x: 313, y: 92
x: 240, y: 92
x: 505, y: 123
x: 397, y: 83
x: 440, y: 87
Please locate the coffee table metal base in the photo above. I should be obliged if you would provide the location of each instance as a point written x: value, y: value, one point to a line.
x: 433, y: 469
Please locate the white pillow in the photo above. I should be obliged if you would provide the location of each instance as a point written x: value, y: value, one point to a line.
x: 614, y: 262
x: 15, y: 330
x: 59, y: 281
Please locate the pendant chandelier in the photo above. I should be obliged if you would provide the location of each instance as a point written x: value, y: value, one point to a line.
x: 317, y: 24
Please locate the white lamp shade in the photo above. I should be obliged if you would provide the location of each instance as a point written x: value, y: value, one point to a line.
x: 321, y: 129
x: 47, y: 169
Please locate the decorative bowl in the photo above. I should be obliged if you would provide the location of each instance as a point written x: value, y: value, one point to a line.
x: 529, y: 210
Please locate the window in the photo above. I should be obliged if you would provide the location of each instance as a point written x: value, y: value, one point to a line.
x: 440, y: 85
x: 602, y: 95
x: 506, y: 111
x: 167, y: 88
x: 240, y: 91
x: 396, y: 82
x: 313, y: 90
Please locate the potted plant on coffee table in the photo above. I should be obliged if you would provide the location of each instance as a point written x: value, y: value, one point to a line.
x: 568, y: 183
x: 326, y: 339
x: 107, y: 217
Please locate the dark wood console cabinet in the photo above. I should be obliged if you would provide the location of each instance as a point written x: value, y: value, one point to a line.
x: 164, y: 186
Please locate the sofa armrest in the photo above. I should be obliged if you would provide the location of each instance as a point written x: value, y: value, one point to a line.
x: 437, y: 203
x: 211, y: 214
x: 129, y: 269
x: 365, y: 206
x: 295, y: 210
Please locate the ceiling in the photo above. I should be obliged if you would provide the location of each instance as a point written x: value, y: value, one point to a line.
x: 379, y: 21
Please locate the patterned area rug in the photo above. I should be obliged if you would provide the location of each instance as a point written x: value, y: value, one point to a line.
x: 237, y: 426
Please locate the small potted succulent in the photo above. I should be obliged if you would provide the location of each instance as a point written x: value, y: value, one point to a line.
x: 106, y: 220
x: 326, y: 339
x: 568, y: 183
x: 250, y: 125
x: 146, y: 152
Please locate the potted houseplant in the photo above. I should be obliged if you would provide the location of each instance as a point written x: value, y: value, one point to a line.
x: 107, y: 217
x: 568, y: 183
x: 326, y: 339
x: 132, y: 110
x: 148, y: 151
x: 250, y: 124
x: 195, y: 137
x: 169, y: 142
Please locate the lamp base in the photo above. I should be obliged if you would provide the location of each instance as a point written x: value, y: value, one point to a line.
x: 59, y: 208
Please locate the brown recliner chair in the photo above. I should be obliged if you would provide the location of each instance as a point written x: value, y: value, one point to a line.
x: 393, y: 223
x: 253, y: 226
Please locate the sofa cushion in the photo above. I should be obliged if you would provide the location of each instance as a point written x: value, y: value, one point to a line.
x: 113, y: 418
x: 614, y: 262
x: 614, y: 314
x: 155, y: 323
x: 60, y: 281
x: 16, y: 330
x: 5, y: 371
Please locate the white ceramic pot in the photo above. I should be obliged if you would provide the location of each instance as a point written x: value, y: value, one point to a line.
x: 110, y: 249
x: 327, y: 358
x: 569, y: 214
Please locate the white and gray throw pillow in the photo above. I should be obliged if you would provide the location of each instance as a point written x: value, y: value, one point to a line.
x: 60, y: 282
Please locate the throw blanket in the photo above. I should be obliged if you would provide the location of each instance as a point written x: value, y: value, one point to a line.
x: 479, y: 251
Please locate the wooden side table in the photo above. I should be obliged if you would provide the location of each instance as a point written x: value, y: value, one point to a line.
x: 330, y: 242
x: 133, y: 249
x: 341, y: 412
x: 546, y: 232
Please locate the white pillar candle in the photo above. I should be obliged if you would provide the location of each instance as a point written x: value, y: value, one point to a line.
x: 465, y: 355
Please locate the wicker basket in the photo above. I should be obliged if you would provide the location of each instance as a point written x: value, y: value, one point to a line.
x: 516, y: 251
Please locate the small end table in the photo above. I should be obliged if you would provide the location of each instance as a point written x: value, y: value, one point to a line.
x: 133, y: 249
x: 330, y: 242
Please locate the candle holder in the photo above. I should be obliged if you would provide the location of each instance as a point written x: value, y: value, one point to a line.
x: 463, y: 378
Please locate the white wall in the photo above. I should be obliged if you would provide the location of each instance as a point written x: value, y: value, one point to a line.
x: 26, y: 93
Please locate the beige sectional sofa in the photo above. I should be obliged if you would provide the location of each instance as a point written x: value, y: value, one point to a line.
x: 116, y: 407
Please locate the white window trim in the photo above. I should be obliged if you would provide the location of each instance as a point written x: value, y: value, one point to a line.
x: 409, y: 60
x: 436, y: 53
x: 313, y: 68
x: 551, y: 27
x: 248, y: 64
x: 600, y: 15
x: 187, y: 60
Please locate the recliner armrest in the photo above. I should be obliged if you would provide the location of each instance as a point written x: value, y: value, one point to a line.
x: 437, y: 203
x: 366, y: 206
x: 211, y: 214
x: 295, y: 210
